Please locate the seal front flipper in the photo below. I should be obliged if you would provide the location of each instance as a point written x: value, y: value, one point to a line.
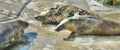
x: 72, y: 36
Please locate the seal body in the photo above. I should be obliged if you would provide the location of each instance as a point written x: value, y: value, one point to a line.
x: 89, y: 25
x: 12, y: 32
x: 59, y: 12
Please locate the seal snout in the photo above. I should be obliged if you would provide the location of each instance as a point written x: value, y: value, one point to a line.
x: 40, y: 17
x: 23, y: 24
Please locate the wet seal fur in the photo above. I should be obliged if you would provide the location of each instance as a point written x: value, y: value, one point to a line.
x: 11, y: 33
x: 88, y: 25
x: 59, y: 12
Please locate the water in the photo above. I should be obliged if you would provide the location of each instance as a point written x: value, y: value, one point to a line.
x: 47, y: 39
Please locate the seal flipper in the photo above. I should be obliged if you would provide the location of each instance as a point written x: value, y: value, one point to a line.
x: 70, y: 37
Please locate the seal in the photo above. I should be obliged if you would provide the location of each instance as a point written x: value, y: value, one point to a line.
x: 88, y: 25
x: 57, y: 13
x: 12, y: 32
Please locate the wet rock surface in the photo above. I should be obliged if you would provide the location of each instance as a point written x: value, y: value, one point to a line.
x: 48, y: 39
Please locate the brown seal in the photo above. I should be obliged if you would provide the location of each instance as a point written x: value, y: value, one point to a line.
x: 88, y: 25
x: 59, y: 12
